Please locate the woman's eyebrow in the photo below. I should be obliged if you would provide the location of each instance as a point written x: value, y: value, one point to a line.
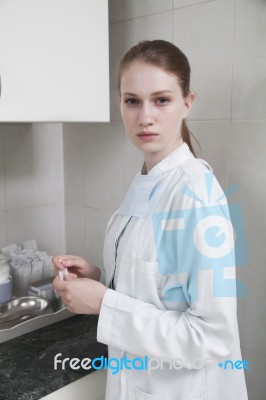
x: 128, y: 94
x: 152, y: 94
x: 162, y: 91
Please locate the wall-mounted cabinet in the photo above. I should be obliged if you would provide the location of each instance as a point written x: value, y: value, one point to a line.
x: 54, y: 60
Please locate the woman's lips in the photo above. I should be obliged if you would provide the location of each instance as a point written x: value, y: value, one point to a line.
x: 147, y: 137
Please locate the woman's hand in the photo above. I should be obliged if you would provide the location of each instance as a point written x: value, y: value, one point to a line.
x: 81, y: 296
x: 76, y: 265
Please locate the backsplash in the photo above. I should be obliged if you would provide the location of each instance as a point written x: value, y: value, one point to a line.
x: 32, y: 185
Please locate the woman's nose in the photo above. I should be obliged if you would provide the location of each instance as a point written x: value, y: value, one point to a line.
x: 146, y: 115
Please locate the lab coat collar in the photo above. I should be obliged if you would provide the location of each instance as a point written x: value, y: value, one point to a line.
x: 137, y: 199
x: 178, y: 156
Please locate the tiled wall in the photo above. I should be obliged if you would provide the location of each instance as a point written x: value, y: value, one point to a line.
x: 247, y: 166
x: 31, y: 185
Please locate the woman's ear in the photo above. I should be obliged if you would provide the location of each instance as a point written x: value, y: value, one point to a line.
x: 189, y: 101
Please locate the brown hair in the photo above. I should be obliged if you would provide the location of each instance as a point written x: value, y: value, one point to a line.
x: 167, y: 56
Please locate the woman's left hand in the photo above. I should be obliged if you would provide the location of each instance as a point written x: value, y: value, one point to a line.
x: 80, y: 295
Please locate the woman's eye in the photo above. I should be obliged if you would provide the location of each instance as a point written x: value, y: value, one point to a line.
x: 162, y: 100
x: 131, y: 101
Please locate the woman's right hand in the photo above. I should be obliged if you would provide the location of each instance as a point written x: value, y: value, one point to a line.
x: 75, y: 265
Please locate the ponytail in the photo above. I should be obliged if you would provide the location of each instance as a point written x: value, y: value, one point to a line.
x: 186, y: 136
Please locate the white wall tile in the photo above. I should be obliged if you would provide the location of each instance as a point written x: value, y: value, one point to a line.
x: 140, y: 8
x: 60, y: 233
x: 116, y: 53
x: 96, y: 224
x: 2, y: 173
x: 3, y: 230
x: 247, y: 166
x: 157, y: 26
x: 213, y: 139
x: 186, y: 3
x: 252, y: 308
x: 115, y: 8
x: 75, y: 229
x: 249, y: 84
x: 255, y: 377
x: 204, y: 33
x: 44, y: 223
x: 74, y: 163
x: 133, y: 161
x: 104, y: 165
x: 33, y: 164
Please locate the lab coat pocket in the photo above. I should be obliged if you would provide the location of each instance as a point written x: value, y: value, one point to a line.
x: 148, y: 282
x: 137, y: 394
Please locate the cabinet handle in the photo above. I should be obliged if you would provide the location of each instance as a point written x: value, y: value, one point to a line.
x: 0, y: 86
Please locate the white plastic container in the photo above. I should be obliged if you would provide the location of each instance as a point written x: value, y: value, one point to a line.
x: 5, y: 280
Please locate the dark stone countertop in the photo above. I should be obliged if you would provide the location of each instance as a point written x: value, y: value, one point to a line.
x: 27, y: 362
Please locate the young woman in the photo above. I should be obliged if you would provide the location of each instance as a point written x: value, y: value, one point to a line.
x: 167, y: 292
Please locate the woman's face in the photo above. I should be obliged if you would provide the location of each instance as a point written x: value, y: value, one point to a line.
x: 152, y: 108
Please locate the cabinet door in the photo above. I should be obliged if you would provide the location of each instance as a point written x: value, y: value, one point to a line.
x: 54, y: 60
x: 91, y: 387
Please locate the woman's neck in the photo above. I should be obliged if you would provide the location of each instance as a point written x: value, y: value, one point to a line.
x: 152, y: 159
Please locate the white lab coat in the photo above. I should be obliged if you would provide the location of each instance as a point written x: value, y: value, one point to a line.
x: 165, y: 310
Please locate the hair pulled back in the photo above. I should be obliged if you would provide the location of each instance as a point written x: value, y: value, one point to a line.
x: 167, y: 56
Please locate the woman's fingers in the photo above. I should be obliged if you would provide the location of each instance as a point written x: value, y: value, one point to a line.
x: 57, y: 261
x: 70, y: 276
x: 67, y: 261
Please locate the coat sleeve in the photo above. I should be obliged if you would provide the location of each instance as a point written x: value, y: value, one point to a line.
x: 207, y: 329
x: 140, y: 328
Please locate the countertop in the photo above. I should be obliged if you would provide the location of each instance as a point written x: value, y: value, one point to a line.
x: 27, y: 362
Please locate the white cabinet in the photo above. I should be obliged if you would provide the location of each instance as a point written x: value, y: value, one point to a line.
x: 91, y: 387
x: 54, y: 60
